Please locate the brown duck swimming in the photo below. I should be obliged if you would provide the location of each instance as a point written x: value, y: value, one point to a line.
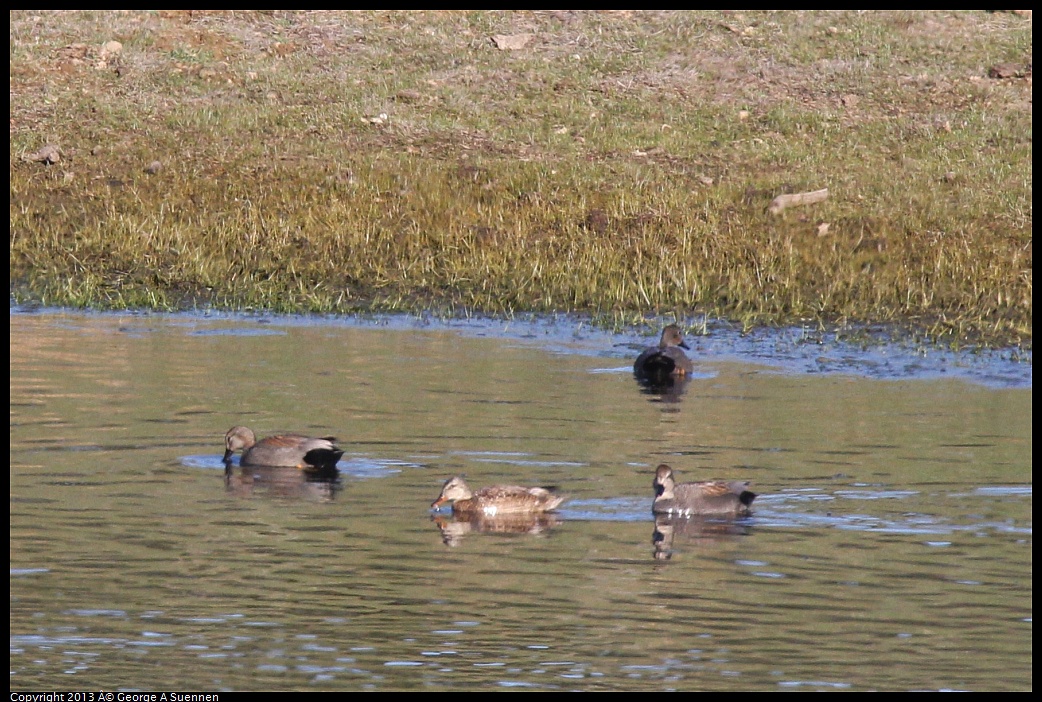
x: 496, y: 499
x: 286, y: 450
x: 665, y: 360
x: 712, y: 498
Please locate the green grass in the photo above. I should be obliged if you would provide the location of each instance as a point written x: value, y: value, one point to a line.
x: 620, y: 164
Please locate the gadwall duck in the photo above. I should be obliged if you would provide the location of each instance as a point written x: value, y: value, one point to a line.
x: 666, y: 359
x: 286, y: 450
x: 496, y: 499
x: 712, y: 498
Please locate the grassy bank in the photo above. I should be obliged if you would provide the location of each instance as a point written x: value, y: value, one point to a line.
x: 617, y: 163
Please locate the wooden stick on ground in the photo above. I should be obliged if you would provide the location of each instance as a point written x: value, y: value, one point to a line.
x: 793, y: 199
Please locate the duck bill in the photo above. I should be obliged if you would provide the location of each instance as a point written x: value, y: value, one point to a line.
x: 438, y: 503
x: 228, y: 456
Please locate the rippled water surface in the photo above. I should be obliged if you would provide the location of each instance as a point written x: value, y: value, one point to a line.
x: 890, y: 547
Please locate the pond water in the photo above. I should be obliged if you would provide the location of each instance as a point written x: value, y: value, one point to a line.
x: 890, y: 546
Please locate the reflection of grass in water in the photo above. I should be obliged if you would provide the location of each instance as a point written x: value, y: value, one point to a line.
x: 620, y: 164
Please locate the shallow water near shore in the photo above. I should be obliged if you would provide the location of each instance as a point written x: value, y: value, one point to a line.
x: 890, y: 546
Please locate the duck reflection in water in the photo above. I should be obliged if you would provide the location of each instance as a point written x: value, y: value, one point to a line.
x: 696, y: 530
x: 668, y: 390
x: 456, y: 526
x: 318, y: 485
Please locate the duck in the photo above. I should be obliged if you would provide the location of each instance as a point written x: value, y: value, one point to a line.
x: 712, y: 498
x: 495, y: 499
x: 283, y: 450
x: 666, y: 359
